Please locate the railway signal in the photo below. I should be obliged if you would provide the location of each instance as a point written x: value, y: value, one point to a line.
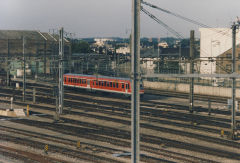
x: 222, y: 133
x: 27, y: 110
x: 78, y: 144
x: 46, y: 149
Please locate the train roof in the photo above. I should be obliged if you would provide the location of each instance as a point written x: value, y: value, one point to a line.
x: 98, y: 76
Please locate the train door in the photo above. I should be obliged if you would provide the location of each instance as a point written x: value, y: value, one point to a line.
x: 126, y: 87
x: 121, y: 85
x: 88, y: 83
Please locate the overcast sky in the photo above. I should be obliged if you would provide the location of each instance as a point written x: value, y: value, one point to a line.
x: 107, y: 18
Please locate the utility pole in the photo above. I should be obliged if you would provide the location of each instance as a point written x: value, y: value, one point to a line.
x: 191, y: 89
x: 34, y: 95
x: 70, y: 53
x: 36, y: 61
x: 37, y: 69
x: 87, y: 63
x: 115, y: 63
x: 158, y: 58
x: 45, y: 59
x: 180, y: 55
x: 60, y: 83
x: 135, y: 100
x: 8, y: 68
x: 24, y: 70
x: 233, y: 122
x: 118, y: 60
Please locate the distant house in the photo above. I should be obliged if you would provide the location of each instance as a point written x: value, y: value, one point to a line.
x: 123, y: 50
x: 163, y: 44
x: 101, y: 41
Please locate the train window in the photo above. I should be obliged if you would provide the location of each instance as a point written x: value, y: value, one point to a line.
x: 113, y: 85
x: 68, y: 79
x: 123, y: 85
x: 99, y: 83
x: 102, y: 83
x: 105, y: 84
x: 110, y: 84
x: 96, y: 82
x: 116, y: 85
x: 84, y: 81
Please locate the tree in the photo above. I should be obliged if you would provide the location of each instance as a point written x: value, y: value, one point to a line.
x: 81, y: 47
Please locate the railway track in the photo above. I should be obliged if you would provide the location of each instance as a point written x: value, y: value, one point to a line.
x: 218, y: 99
x: 103, y: 134
x: 121, y: 110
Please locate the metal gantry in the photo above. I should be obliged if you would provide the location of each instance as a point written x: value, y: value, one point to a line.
x: 233, y: 121
x: 135, y: 99
x: 191, y: 87
x: 24, y: 70
x: 61, y: 70
x: 8, y: 66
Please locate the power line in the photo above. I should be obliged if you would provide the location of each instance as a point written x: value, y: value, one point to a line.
x: 184, y: 18
x: 161, y: 23
x: 177, y: 15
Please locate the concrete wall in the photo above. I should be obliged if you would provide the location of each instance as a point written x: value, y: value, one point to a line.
x: 198, y: 89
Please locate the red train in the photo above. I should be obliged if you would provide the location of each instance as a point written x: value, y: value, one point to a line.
x: 100, y: 83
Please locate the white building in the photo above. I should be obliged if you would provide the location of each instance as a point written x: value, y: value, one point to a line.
x: 123, y: 50
x: 163, y: 44
x: 147, y: 65
x: 101, y: 41
x: 214, y: 42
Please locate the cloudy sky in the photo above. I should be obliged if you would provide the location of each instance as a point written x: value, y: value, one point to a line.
x: 106, y: 18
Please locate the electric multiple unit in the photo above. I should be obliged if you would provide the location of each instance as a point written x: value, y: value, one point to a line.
x: 100, y: 83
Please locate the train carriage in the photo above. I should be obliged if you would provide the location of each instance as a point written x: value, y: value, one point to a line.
x: 100, y: 83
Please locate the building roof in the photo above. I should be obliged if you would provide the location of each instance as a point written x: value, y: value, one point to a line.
x: 28, y: 34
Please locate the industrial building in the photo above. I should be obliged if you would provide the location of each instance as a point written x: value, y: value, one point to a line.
x: 39, y: 48
x: 214, y: 44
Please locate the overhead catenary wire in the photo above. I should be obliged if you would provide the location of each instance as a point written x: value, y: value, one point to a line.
x: 174, y: 14
x: 161, y: 23
x: 185, y: 18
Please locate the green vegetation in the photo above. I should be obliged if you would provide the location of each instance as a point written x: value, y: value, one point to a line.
x: 81, y: 47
